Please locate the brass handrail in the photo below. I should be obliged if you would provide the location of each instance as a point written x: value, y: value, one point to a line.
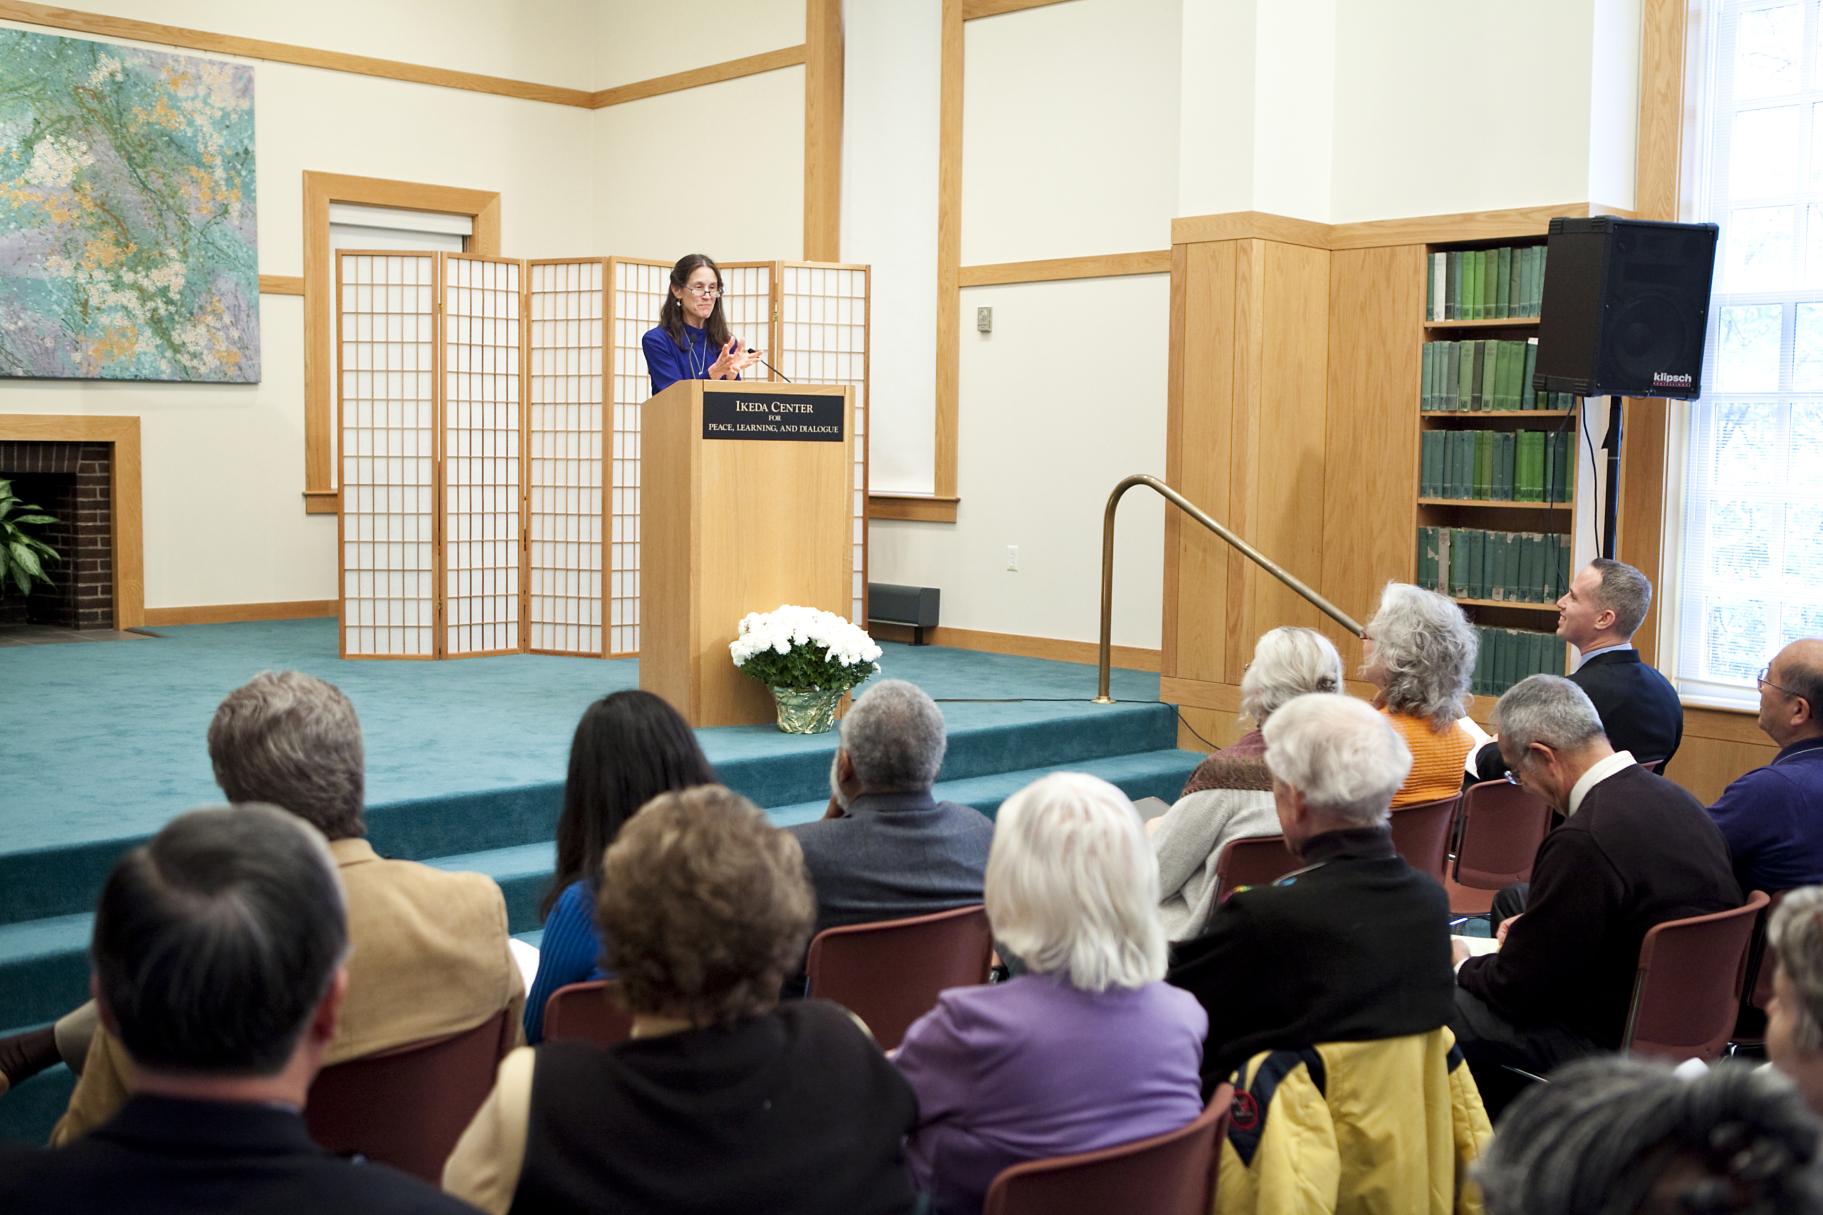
x: 1104, y: 674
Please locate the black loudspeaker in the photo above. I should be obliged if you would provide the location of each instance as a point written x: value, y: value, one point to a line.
x: 1625, y: 308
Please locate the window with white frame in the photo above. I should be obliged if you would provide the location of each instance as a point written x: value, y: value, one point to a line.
x: 1750, y: 560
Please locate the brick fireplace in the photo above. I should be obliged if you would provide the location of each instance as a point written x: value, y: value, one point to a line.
x: 84, y: 471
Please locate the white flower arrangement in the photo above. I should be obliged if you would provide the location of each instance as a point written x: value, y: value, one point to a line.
x: 804, y: 649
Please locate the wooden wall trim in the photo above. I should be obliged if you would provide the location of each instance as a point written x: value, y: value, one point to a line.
x: 129, y: 518
x: 714, y: 73
x: 228, y: 613
x: 823, y: 131
x: 913, y: 508
x: 51, y: 17
x: 1055, y: 269
x: 1134, y: 658
x: 281, y: 284
x: 320, y: 190
x: 973, y: 9
x: 1378, y: 233
x: 949, y: 247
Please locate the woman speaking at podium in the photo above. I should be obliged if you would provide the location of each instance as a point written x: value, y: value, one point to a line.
x: 691, y: 340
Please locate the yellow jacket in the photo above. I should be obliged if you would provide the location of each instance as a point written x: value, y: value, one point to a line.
x: 1387, y: 1127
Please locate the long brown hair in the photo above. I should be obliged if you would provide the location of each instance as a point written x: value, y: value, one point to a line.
x: 671, y: 316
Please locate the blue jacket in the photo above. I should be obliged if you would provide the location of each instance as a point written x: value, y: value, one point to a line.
x: 1772, y: 818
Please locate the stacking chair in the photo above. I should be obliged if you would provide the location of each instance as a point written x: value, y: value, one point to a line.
x: 889, y: 974
x: 586, y: 1012
x: 1170, y: 1174
x: 1687, y: 992
x: 1258, y: 860
x: 1421, y: 833
x: 407, y: 1106
x: 1502, y: 827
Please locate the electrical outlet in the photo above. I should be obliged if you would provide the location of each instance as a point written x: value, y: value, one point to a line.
x: 1012, y: 557
x: 984, y: 320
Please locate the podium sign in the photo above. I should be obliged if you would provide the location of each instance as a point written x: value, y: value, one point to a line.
x: 746, y: 504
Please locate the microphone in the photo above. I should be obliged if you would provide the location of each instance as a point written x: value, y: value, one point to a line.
x: 769, y: 367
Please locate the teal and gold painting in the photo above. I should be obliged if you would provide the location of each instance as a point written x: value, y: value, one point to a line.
x: 127, y: 241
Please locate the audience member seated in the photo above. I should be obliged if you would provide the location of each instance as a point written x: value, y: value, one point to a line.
x: 1085, y: 1049
x: 1229, y: 796
x: 1420, y: 654
x: 1772, y: 817
x: 1352, y: 947
x: 1634, y: 851
x: 887, y: 849
x: 428, y: 955
x: 722, y: 1100
x: 1617, y: 1136
x: 217, y: 957
x: 1794, y: 1017
x: 629, y: 747
x: 1639, y: 708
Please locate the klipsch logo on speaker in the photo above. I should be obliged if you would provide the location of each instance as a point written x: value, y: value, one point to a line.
x: 1664, y: 379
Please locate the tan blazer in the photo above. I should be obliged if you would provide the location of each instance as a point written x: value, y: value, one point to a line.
x: 428, y: 957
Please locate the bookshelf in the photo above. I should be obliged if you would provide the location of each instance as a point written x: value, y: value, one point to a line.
x: 1496, y: 498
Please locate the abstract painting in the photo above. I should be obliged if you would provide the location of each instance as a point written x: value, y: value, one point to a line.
x: 127, y: 246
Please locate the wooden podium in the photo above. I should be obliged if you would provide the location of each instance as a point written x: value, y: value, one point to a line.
x: 746, y: 502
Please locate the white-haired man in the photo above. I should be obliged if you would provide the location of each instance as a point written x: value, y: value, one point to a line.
x: 1635, y: 850
x: 1352, y: 947
x: 887, y: 849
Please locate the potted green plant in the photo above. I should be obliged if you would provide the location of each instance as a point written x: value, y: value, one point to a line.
x: 23, y: 556
x: 809, y: 658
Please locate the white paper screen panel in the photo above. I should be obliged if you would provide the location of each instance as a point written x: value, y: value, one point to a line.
x: 481, y: 467
x: 386, y: 336
x: 747, y: 305
x: 640, y: 287
x: 565, y: 344
x: 823, y: 340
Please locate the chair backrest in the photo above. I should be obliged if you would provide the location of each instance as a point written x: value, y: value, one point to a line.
x: 1421, y: 834
x: 407, y: 1107
x: 1687, y: 990
x: 890, y: 973
x: 586, y: 1012
x: 1258, y: 860
x: 1170, y: 1174
x: 1502, y: 827
x: 1759, y: 960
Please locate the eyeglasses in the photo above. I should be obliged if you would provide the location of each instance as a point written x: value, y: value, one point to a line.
x: 1512, y: 778
x: 1767, y: 670
x: 703, y: 293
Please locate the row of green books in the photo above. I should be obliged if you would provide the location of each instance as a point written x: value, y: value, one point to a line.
x: 1497, y: 465
x: 1484, y: 375
x: 1509, y: 655
x: 1510, y: 567
x: 1484, y: 284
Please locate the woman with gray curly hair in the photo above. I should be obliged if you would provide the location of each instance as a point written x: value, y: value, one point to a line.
x: 1619, y: 1136
x: 1420, y: 655
x: 722, y: 1100
x: 1229, y: 796
x: 1794, y: 1016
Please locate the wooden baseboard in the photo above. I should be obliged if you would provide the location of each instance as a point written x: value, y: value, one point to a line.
x: 228, y: 613
x: 1127, y: 657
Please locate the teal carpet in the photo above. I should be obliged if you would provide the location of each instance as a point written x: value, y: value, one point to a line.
x: 100, y: 744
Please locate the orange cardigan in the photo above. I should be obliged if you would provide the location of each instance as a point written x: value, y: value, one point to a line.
x: 1437, y: 759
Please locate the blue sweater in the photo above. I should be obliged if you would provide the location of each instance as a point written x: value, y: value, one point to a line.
x: 1772, y: 818
x: 668, y: 364
x: 569, y: 953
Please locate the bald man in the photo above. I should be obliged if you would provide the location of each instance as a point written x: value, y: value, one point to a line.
x: 1772, y: 817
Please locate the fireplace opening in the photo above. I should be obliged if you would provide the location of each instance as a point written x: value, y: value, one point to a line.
x: 71, y: 481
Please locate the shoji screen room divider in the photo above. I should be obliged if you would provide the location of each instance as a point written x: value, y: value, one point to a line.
x: 490, y: 439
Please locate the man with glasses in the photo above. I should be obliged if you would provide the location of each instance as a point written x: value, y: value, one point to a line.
x: 1772, y: 817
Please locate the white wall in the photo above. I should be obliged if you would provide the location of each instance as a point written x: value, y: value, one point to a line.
x: 223, y: 471
x: 1041, y: 442
x: 638, y: 39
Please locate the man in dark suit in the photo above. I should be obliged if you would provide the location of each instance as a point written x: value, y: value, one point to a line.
x: 1352, y: 947
x: 217, y: 957
x: 1635, y: 850
x: 1639, y: 708
x: 887, y: 849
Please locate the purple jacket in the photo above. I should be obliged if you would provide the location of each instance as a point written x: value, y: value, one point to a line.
x: 1034, y: 1068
